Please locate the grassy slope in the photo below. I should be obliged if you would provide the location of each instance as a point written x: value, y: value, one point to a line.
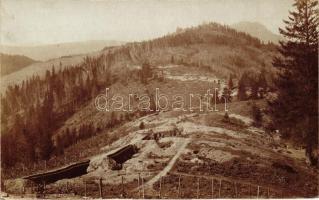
x: 253, y: 163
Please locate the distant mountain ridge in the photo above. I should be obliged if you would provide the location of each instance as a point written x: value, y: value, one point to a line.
x: 50, y: 51
x: 213, y: 47
x: 13, y: 63
x: 257, y: 30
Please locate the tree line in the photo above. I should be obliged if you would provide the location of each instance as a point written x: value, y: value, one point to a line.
x: 33, y: 110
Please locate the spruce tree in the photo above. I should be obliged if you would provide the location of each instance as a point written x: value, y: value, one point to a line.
x: 230, y: 83
x: 295, y: 109
x: 226, y: 95
x: 262, y: 83
x: 257, y: 115
x: 242, y: 88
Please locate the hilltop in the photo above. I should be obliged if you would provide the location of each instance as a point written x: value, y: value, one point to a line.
x: 12, y: 63
x: 258, y: 30
x: 220, y: 49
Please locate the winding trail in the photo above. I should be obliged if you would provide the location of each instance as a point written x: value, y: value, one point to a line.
x: 170, y: 165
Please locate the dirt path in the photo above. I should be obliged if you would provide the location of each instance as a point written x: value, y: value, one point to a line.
x: 170, y: 165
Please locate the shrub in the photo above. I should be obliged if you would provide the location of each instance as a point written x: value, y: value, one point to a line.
x: 142, y: 126
x: 226, y: 118
x: 270, y: 127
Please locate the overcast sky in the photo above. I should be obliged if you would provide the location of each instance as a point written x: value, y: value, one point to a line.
x: 36, y: 22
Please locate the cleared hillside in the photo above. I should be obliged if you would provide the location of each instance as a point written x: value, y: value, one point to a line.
x: 64, y: 87
x: 195, y: 148
x: 218, y: 48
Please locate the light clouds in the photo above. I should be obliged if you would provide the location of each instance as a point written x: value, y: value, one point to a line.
x: 54, y: 21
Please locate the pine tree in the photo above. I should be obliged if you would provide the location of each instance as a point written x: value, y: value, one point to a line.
x: 262, y: 83
x: 295, y: 110
x: 257, y: 115
x: 67, y: 138
x: 242, y: 88
x: 172, y: 60
x: 254, y: 88
x: 146, y: 72
x: 227, y: 95
x: 45, y: 144
x: 59, y: 145
x: 226, y: 118
x: 142, y: 126
x: 230, y: 83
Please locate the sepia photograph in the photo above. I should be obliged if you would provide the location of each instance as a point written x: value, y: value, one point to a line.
x: 159, y: 99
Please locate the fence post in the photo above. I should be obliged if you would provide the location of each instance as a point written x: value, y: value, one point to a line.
x: 67, y: 187
x: 143, y: 192
x: 84, y: 188
x: 163, y: 181
x: 268, y: 193
x: 122, y: 187
x: 198, y: 188
x: 138, y: 185
x: 220, y: 187
x: 212, y: 187
x: 31, y: 187
x: 179, y: 186
x: 100, y: 188
x: 160, y: 187
x: 71, y: 187
x: 44, y: 188
x: 257, y: 191
x: 235, y: 189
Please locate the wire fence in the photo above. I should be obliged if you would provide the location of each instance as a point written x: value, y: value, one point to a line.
x: 173, y: 185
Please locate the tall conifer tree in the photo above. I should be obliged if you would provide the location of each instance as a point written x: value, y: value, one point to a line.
x: 295, y: 109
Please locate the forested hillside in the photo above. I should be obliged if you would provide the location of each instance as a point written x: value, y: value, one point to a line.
x: 35, y: 109
x: 218, y: 48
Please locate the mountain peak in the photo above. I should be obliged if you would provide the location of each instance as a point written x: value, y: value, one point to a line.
x: 258, y: 30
